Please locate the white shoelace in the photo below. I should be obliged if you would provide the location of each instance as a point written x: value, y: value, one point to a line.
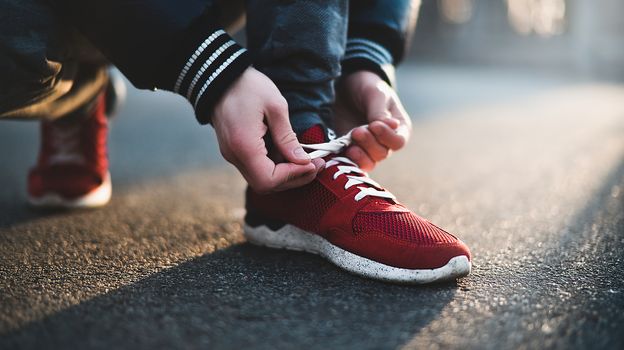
x: 66, y: 144
x: 334, y: 147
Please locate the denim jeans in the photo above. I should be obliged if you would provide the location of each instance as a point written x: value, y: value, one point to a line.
x: 299, y: 45
x: 46, y: 66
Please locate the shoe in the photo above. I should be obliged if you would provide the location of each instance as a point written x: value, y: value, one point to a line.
x: 352, y: 221
x: 72, y: 167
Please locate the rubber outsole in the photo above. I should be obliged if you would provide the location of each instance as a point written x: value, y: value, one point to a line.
x: 293, y: 238
x: 98, y: 197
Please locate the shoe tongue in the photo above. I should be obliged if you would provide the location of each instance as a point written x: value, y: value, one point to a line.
x: 315, y: 134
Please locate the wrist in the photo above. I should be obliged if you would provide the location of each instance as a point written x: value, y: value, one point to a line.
x: 366, y: 55
x: 205, y: 64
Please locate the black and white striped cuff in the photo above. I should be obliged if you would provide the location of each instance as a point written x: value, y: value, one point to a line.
x: 364, y: 54
x: 213, y: 66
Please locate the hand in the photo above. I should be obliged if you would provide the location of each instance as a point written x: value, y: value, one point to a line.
x: 364, y: 98
x: 250, y: 107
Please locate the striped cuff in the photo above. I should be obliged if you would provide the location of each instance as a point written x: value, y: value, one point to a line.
x: 364, y: 54
x: 216, y: 62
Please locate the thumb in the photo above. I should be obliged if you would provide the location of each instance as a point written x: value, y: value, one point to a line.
x: 376, y: 106
x: 283, y: 135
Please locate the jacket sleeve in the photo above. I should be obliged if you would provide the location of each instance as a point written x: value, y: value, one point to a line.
x: 173, y: 45
x: 378, y: 35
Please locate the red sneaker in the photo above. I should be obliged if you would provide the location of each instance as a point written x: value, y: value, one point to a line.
x: 353, y: 222
x: 72, y: 168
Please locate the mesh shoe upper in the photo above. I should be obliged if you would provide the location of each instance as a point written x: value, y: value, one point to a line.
x: 405, y: 226
x: 374, y: 227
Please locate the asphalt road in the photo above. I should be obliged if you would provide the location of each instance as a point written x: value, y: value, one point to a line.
x: 527, y: 168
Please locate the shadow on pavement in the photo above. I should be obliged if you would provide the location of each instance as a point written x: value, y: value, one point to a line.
x: 588, y: 260
x: 243, y: 296
x: 18, y: 212
x: 564, y: 294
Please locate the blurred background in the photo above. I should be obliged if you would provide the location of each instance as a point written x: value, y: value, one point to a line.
x: 579, y: 37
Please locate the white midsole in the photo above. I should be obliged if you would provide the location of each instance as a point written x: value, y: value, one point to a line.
x: 98, y: 197
x: 294, y: 238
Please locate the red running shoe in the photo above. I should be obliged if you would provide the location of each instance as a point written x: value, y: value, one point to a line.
x: 350, y: 220
x: 72, y: 168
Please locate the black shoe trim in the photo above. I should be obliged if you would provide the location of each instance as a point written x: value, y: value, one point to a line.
x: 255, y: 220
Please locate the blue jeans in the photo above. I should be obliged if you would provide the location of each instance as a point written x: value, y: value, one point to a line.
x: 299, y: 45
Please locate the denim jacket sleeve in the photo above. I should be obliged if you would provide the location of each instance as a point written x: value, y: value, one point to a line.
x: 378, y: 35
x: 164, y: 44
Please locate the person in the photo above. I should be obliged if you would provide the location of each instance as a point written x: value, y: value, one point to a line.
x: 309, y: 66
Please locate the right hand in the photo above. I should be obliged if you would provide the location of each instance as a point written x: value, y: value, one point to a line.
x: 252, y: 106
x: 365, y: 99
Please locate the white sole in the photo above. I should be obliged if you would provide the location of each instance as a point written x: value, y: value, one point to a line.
x: 100, y: 196
x: 294, y: 238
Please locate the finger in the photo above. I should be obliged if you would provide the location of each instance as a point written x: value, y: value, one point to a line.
x: 283, y: 135
x: 319, y: 163
x: 391, y: 122
x: 295, y: 180
x: 390, y: 138
x: 399, y: 113
x: 364, y: 138
x: 264, y: 176
x: 361, y: 158
x: 287, y: 176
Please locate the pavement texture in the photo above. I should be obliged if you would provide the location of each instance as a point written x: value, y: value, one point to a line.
x: 526, y: 168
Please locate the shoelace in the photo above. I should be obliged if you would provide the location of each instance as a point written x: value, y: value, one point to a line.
x: 334, y: 147
x: 66, y: 143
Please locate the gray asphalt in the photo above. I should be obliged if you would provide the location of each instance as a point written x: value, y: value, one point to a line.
x: 525, y: 167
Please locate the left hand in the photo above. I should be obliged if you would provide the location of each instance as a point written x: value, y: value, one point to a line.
x: 364, y: 98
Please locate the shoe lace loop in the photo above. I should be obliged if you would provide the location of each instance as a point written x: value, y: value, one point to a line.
x: 346, y: 166
x: 66, y: 144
